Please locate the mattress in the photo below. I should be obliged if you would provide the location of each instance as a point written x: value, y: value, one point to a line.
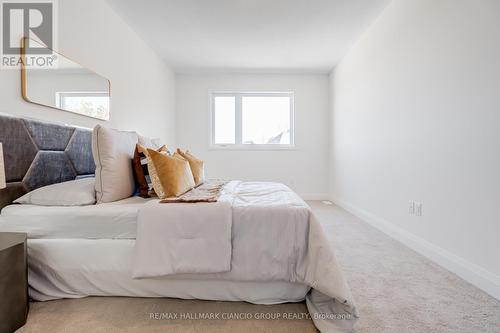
x: 104, y: 221
x: 54, y: 273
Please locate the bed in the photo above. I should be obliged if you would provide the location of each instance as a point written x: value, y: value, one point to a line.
x: 278, y: 253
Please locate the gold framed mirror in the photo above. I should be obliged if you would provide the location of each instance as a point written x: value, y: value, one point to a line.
x: 55, y: 81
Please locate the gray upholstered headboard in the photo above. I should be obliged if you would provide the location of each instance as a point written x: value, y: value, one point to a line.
x: 37, y: 154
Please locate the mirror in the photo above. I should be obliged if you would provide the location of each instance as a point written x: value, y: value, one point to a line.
x: 61, y: 83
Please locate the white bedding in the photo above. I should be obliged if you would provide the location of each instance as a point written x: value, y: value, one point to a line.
x: 104, y: 221
x: 274, y: 236
x: 54, y: 273
x: 269, y: 233
x: 183, y: 238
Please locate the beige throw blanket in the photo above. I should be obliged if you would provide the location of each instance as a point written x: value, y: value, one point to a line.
x: 181, y: 238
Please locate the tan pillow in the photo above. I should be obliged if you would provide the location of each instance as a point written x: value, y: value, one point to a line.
x: 171, y: 175
x: 177, y: 155
x: 113, y: 152
x: 196, y: 165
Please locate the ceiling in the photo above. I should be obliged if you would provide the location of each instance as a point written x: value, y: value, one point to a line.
x: 308, y: 36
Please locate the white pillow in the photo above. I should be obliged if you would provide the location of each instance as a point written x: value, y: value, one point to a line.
x: 113, y: 152
x: 148, y: 142
x: 78, y: 192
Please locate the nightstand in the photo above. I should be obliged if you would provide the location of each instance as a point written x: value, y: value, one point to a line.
x: 13, y: 281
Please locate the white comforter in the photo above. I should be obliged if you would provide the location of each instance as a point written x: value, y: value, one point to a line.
x: 180, y: 238
x: 289, y: 245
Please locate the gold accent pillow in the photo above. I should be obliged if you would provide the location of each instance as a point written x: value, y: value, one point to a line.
x: 171, y: 175
x: 196, y: 166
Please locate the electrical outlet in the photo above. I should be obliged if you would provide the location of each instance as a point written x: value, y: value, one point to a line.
x: 411, y: 207
x: 418, y: 208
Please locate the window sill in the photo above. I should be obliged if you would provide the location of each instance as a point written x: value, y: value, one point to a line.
x: 253, y: 147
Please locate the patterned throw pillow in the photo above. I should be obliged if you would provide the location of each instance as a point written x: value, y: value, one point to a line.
x: 141, y: 172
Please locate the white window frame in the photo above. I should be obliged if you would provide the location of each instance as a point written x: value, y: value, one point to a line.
x: 60, y: 95
x: 238, y: 145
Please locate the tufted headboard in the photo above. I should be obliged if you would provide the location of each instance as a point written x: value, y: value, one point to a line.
x: 37, y: 154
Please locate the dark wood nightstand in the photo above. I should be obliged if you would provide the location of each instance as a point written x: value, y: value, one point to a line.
x: 13, y: 281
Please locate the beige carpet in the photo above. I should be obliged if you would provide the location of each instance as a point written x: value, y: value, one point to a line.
x: 396, y: 290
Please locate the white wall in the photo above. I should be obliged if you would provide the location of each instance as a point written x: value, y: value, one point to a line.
x: 142, y: 86
x: 304, y: 169
x: 416, y: 116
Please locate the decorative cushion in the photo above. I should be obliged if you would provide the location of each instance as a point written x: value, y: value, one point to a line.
x: 141, y: 173
x: 78, y: 192
x: 196, y: 165
x: 171, y: 175
x: 148, y: 142
x: 113, y: 152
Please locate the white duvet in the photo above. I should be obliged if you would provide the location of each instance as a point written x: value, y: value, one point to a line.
x: 287, y: 244
x: 180, y: 238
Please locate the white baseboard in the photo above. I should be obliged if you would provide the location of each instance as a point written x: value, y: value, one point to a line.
x: 314, y: 196
x: 474, y: 274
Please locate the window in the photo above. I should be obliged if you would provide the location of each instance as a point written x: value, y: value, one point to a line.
x: 93, y: 104
x: 251, y: 120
